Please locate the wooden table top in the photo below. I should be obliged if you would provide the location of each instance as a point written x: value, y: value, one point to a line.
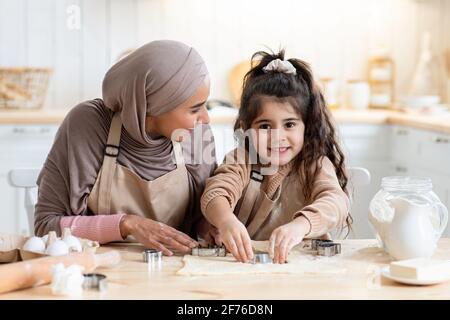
x: 131, y: 279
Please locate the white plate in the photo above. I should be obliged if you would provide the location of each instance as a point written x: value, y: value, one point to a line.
x: 423, y: 282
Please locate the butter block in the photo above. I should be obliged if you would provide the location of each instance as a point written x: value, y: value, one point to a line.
x: 420, y: 268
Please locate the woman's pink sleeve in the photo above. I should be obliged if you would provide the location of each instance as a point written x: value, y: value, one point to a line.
x: 101, y: 228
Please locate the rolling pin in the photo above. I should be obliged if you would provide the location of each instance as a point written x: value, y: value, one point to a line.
x: 36, y: 272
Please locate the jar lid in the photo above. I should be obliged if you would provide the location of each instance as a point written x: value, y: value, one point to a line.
x: 402, y: 183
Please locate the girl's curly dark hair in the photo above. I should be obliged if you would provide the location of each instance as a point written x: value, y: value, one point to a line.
x: 302, y: 92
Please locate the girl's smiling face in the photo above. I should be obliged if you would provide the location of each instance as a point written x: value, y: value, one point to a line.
x: 278, y: 132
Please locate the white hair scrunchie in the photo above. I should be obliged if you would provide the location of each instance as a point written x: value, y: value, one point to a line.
x: 279, y: 65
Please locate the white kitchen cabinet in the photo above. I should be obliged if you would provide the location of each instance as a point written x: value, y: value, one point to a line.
x: 365, y: 142
x: 22, y: 146
x: 434, y: 152
x: 8, y: 200
x: 403, y: 147
x: 414, y: 148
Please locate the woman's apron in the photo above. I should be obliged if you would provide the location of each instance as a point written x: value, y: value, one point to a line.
x: 261, y: 214
x: 119, y: 190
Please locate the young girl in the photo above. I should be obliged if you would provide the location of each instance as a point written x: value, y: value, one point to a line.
x: 287, y: 124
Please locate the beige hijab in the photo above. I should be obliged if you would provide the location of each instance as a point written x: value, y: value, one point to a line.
x: 152, y: 80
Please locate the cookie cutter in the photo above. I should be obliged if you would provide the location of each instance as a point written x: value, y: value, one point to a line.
x: 328, y: 249
x: 315, y: 243
x: 212, y: 251
x: 261, y: 257
x: 152, y: 256
x: 95, y: 281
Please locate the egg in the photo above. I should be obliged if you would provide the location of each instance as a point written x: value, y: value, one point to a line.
x: 72, y: 242
x: 34, y: 244
x: 51, y: 237
x: 45, y: 238
x: 57, y: 248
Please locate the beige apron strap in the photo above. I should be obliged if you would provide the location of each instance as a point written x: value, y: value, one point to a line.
x: 250, y: 196
x: 263, y: 212
x: 178, y: 151
x: 109, y: 164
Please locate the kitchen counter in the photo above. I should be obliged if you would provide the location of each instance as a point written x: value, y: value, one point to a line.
x: 43, y: 116
x: 438, y: 123
x: 362, y: 280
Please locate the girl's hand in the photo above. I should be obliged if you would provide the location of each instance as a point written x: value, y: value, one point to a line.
x: 156, y: 235
x: 234, y: 235
x: 206, y: 233
x: 285, y: 237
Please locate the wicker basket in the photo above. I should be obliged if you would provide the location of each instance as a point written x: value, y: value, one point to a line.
x: 23, y: 88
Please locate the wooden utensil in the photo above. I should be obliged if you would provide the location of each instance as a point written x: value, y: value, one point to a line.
x: 38, y: 272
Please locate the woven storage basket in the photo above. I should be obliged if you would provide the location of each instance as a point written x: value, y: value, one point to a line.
x: 23, y: 88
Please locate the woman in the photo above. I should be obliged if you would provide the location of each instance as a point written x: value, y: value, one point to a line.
x: 114, y: 171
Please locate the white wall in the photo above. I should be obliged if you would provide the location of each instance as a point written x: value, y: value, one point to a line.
x: 336, y: 37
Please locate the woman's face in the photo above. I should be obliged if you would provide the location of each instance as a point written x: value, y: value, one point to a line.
x: 279, y: 132
x: 185, y: 116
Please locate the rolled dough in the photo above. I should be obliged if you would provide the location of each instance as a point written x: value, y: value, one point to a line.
x: 300, y: 261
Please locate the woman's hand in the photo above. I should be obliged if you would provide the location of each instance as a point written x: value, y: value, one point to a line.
x: 285, y: 237
x: 234, y: 235
x: 156, y: 235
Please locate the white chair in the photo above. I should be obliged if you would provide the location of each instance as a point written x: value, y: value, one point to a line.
x: 26, y: 178
x: 358, y: 177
